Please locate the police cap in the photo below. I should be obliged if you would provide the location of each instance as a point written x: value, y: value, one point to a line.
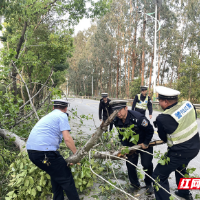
x: 167, y: 93
x: 143, y: 88
x: 60, y: 102
x: 118, y: 104
x: 104, y: 94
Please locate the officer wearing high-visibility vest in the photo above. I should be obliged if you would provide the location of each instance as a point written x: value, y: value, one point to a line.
x: 142, y: 127
x: 177, y: 126
x: 42, y: 145
x: 104, y: 105
x: 142, y: 101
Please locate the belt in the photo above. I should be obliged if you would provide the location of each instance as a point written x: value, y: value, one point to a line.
x: 39, y: 151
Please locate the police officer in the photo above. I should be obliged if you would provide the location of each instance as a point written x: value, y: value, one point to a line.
x: 42, y: 144
x: 106, y: 108
x: 142, y: 101
x: 178, y: 127
x: 125, y: 118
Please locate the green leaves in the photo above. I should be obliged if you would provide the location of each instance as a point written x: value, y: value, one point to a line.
x: 129, y: 134
x: 29, y: 185
x: 163, y: 159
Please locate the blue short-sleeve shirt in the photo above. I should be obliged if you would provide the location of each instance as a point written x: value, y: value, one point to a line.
x: 46, y: 135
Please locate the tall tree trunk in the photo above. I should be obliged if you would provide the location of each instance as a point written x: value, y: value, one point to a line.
x: 163, y: 71
x: 190, y: 81
x: 111, y: 66
x: 134, y: 55
x: 150, y: 73
x: 171, y: 77
x: 158, y: 51
x: 120, y: 76
x: 101, y: 87
x: 14, y: 71
x: 118, y: 63
x: 125, y: 70
x: 117, y: 78
x: 143, y: 52
x: 128, y: 74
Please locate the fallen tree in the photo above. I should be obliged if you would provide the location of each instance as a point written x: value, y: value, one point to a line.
x: 83, y: 151
x: 17, y: 140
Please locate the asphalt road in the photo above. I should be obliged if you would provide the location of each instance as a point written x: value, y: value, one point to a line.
x: 86, y: 107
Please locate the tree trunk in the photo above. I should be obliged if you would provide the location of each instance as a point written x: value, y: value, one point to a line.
x: 14, y: 71
x: 158, y: 51
x: 111, y: 79
x: 190, y: 81
x: 143, y: 53
x: 118, y: 63
x: 18, y: 142
x: 134, y: 55
x: 128, y: 74
x: 125, y: 71
x: 83, y: 151
x: 150, y: 73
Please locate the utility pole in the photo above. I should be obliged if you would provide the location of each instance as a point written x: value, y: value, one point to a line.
x: 155, y: 48
x: 157, y: 5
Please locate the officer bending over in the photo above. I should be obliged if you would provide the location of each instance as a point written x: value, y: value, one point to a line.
x: 42, y: 144
x: 106, y: 108
x: 178, y: 127
x: 142, y: 126
x: 142, y: 101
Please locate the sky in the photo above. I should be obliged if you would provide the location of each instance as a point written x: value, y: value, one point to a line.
x: 84, y: 24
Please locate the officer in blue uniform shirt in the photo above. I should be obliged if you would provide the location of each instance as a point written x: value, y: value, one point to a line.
x: 125, y: 118
x: 42, y: 146
x: 142, y: 101
x: 177, y: 127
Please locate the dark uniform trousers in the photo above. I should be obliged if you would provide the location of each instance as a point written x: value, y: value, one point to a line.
x: 61, y: 176
x: 177, y: 162
x: 146, y: 161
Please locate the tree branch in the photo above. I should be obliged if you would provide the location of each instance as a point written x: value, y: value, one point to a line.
x: 119, y: 153
x: 33, y: 107
x: 81, y: 153
x: 39, y: 89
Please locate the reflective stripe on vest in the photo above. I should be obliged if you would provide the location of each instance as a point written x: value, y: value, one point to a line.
x: 185, y: 116
x: 142, y: 104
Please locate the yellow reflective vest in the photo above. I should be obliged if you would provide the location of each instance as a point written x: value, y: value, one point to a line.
x: 185, y: 116
x: 142, y: 104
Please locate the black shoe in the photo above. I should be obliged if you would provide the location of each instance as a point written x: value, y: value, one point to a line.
x: 132, y: 189
x: 149, y: 189
x: 187, y: 197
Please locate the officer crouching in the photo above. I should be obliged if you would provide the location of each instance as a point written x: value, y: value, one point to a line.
x: 125, y: 118
x: 42, y: 144
x: 178, y: 127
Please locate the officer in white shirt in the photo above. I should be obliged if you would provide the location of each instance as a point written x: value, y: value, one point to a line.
x: 42, y: 145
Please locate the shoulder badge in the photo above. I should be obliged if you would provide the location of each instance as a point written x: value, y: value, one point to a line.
x: 144, y: 123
